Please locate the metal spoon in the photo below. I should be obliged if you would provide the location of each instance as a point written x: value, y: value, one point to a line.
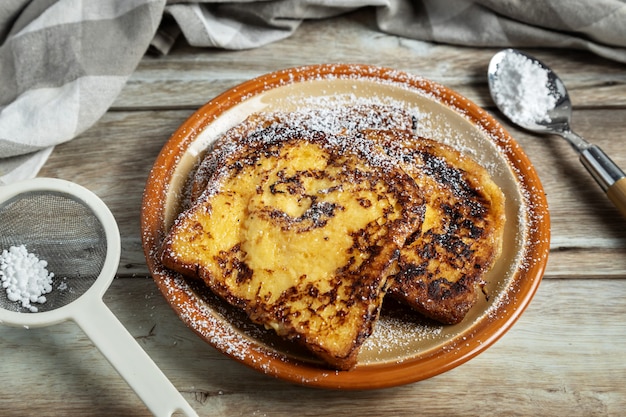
x: 557, y: 117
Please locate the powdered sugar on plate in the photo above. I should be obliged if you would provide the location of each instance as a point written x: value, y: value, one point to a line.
x: 25, y: 277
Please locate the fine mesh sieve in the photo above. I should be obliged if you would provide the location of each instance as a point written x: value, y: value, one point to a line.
x: 61, y: 229
x: 75, y: 233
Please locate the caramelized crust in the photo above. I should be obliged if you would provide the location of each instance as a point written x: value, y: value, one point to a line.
x: 299, y: 228
x: 343, y: 122
x: 443, y: 263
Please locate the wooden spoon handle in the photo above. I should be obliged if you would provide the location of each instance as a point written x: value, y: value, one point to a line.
x: 617, y: 194
x: 608, y: 175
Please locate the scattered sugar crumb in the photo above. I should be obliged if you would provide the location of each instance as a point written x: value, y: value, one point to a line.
x: 387, y: 329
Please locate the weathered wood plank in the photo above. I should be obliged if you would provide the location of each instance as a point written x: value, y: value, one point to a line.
x: 114, y: 159
x: 189, y: 77
x: 570, y: 345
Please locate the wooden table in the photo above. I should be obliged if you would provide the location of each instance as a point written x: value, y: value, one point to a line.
x: 565, y: 356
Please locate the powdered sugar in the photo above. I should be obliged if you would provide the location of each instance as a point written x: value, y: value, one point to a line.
x: 522, y: 91
x: 25, y: 277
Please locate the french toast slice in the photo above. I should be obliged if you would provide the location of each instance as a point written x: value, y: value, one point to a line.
x: 442, y: 264
x: 300, y: 229
x: 339, y: 121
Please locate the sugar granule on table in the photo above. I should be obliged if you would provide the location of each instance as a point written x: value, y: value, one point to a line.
x: 522, y: 88
x: 24, y: 277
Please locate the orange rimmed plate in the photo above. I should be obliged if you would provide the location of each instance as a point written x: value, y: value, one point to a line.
x: 404, y: 347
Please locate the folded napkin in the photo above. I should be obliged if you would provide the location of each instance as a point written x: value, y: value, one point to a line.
x: 63, y: 63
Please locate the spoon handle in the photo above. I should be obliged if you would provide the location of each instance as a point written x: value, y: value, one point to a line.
x: 130, y: 360
x: 617, y: 194
x: 607, y: 174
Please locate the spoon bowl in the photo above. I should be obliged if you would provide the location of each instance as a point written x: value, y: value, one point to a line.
x: 558, y: 117
x: 533, y: 97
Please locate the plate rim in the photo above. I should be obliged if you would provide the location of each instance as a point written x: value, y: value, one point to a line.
x: 371, y: 376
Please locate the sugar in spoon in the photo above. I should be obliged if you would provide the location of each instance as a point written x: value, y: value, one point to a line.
x: 532, y: 96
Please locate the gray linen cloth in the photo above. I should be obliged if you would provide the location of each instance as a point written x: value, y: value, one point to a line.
x: 63, y: 62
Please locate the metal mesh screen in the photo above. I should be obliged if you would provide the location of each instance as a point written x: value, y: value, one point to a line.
x: 61, y: 230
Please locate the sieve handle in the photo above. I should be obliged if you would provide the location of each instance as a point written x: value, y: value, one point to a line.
x: 130, y: 360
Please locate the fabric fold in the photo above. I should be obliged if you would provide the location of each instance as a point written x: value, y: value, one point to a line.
x: 64, y: 62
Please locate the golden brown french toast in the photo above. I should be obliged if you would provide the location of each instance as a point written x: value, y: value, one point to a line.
x: 339, y: 121
x: 443, y: 263
x: 304, y: 219
x: 299, y: 228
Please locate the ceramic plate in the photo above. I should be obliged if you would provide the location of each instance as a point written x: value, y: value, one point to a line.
x: 404, y: 347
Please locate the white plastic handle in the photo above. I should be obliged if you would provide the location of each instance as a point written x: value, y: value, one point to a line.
x: 94, y: 317
x: 130, y: 360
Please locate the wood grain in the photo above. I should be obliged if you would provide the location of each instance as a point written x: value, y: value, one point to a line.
x: 165, y: 82
x: 555, y: 361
